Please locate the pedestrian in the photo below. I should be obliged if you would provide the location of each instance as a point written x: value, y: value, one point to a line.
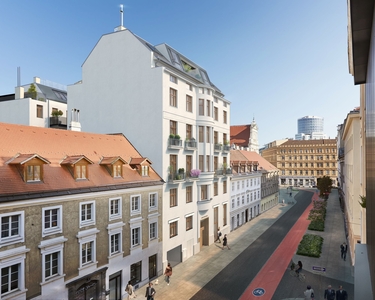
x: 130, y: 290
x: 218, y: 235
x: 168, y: 273
x: 329, y: 293
x: 290, y: 194
x: 344, y: 249
x: 225, y: 242
x: 341, y: 294
x: 309, y: 293
x: 150, y: 292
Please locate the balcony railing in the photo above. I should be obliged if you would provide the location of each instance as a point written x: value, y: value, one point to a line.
x: 226, y: 148
x: 176, y: 176
x: 228, y: 171
x: 217, y: 147
x: 190, y: 145
x: 174, y: 143
x: 57, y: 122
x: 219, y: 172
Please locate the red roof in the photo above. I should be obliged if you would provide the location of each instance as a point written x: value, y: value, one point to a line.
x: 240, y: 135
x: 55, y: 146
x: 251, y: 156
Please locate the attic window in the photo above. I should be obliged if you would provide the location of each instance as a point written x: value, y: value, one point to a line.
x: 175, y: 59
x: 187, y: 67
x: 142, y: 165
x: 30, y: 166
x: 78, y: 166
x: 145, y: 170
x: 113, y: 165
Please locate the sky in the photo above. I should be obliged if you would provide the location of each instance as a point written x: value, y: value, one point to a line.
x: 274, y: 60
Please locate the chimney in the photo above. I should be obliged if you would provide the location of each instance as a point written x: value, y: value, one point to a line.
x: 19, y: 93
x: 36, y: 79
x: 75, y: 125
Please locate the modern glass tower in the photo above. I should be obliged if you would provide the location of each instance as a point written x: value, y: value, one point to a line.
x: 310, y: 128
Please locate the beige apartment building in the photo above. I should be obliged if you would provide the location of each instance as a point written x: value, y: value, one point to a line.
x: 302, y: 162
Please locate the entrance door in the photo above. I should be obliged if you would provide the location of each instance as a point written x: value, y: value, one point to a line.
x: 115, y: 286
x: 204, y: 232
x: 174, y: 256
x: 246, y: 215
x: 216, y: 218
x: 152, y: 267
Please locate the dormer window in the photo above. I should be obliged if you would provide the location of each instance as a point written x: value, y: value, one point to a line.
x: 30, y: 166
x: 141, y: 164
x: 114, y: 165
x: 77, y: 166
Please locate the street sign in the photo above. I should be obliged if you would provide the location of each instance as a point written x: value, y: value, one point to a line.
x: 318, y: 269
x: 258, y: 292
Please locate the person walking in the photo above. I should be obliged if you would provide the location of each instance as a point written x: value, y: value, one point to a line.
x: 309, y: 293
x: 168, y: 273
x: 130, y: 290
x: 344, y: 249
x: 150, y: 292
x: 329, y: 293
x: 218, y: 235
x: 225, y: 242
x: 341, y: 294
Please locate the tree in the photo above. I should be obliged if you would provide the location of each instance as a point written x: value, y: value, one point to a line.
x: 32, y: 91
x: 324, y: 185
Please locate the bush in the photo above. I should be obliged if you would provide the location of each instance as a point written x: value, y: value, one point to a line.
x: 311, y: 245
x: 317, y: 215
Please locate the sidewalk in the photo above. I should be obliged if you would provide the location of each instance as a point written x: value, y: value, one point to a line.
x: 189, y: 277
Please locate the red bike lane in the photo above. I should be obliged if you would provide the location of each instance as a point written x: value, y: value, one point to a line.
x: 270, y: 275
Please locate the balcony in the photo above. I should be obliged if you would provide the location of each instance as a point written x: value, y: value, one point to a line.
x: 174, y: 143
x: 218, y: 147
x: 228, y: 172
x: 176, y: 177
x: 193, y: 175
x: 57, y: 122
x: 226, y: 148
x: 204, y: 205
x: 190, y: 144
x: 219, y: 172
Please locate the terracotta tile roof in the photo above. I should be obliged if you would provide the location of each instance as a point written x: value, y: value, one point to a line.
x: 111, y: 160
x: 240, y: 135
x: 243, y: 155
x: 24, y: 158
x: 72, y: 160
x: 55, y: 145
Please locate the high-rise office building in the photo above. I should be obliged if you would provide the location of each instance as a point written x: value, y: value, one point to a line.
x: 310, y: 128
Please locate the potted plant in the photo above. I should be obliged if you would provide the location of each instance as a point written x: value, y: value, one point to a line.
x: 195, y: 173
x: 226, y: 143
x: 181, y: 170
x: 57, y: 113
x: 177, y: 137
x: 171, y: 136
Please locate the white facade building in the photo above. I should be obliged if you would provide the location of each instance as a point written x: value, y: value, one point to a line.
x: 168, y: 107
x: 20, y: 108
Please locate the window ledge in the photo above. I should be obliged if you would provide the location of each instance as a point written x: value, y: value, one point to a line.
x: 52, y: 279
x: 92, y: 264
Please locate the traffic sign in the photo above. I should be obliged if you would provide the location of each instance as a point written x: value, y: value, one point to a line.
x: 258, y: 292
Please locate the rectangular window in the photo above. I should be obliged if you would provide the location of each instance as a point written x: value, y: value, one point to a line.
x: 216, y: 114
x: 115, y: 243
x: 172, y: 164
x: 115, y: 208
x: 145, y: 170
x: 11, y: 227
x: 33, y: 173
x: 224, y: 187
x: 208, y: 134
x: 189, y: 194
x: 216, y: 137
x: 86, y: 253
x: 173, y: 78
x: 135, y: 204
x: 224, y: 214
x: 189, y: 87
x: 201, y: 134
x: 10, y: 279
x: 208, y: 165
x: 173, y: 97
x: 225, y: 138
x: 189, y: 223
x: 173, y: 227
x: 204, y: 195
x: 87, y: 212
x: 216, y: 163
x: 201, y: 162
x: 208, y: 108
x: 136, y: 238
x: 189, y: 163
x: 52, y: 219
x: 117, y: 171
x: 136, y: 272
x: 39, y: 111
x: 216, y: 189
x: 173, y: 197
x: 201, y: 107
x: 172, y: 127
x: 189, y: 129
x: 153, y: 230
x: 153, y: 200
x: 224, y: 117
x: 80, y: 171
x: 189, y: 103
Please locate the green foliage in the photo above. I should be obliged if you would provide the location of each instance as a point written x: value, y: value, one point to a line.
x: 171, y: 136
x: 32, y: 91
x: 57, y: 113
x: 324, y: 185
x: 177, y: 137
x: 317, y: 215
x: 363, y: 201
x: 311, y: 245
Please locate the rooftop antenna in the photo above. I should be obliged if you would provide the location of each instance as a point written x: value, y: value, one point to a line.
x: 121, y: 27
